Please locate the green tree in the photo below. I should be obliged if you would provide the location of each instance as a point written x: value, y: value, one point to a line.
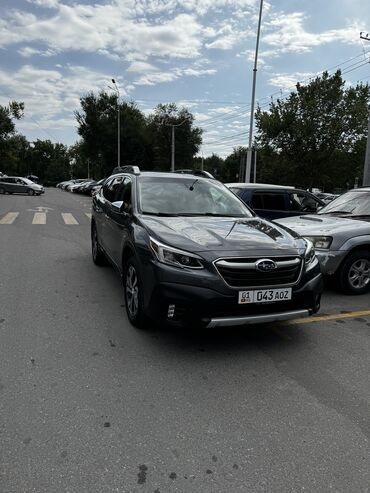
x: 187, y: 137
x: 214, y: 164
x: 97, y: 125
x: 10, y: 153
x: 234, y: 163
x: 303, y: 139
x: 48, y: 161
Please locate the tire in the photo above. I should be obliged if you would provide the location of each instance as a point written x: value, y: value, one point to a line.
x: 97, y: 254
x: 30, y: 191
x: 2, y: 191
x: 133, y: 290
x: 354, y: 273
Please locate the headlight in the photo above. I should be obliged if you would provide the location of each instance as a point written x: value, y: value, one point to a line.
x: 309, y: 256
x: 173, y: 256
x: 321, y: 242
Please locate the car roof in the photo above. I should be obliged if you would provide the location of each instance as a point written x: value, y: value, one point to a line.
x: 261, y: 185
x: 165, y: 174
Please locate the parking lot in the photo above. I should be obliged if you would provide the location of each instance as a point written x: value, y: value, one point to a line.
x: 90, y: 404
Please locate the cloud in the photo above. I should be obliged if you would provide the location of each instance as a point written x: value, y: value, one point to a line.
x: 107, y: 28
x: 289, y: 81
x: 28, y: 51
x: 141, y: 67
x: 151, y: 79
x: 285, y: 33
x: 52, y: 96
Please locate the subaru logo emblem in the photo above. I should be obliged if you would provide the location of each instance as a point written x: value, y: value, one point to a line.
x: 265, y: 265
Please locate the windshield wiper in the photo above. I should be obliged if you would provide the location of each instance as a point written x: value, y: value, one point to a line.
x: 161, y: 214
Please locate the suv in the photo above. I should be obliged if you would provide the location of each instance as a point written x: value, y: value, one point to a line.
x: 340, y: 233
x: 190, y: 252
x: 16, y: 184
x: 275, y: 201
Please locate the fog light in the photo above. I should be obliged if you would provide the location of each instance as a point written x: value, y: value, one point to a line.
x: 171, y: 311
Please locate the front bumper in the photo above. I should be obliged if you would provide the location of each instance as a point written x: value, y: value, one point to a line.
x: 257, y: 319
x: 213, y: 304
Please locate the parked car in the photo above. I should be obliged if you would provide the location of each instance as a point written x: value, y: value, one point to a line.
x: 192, y: 253
x: 16, y: 184
x: 275, y: 201
x: 340, y: 233
x: 95, y: 188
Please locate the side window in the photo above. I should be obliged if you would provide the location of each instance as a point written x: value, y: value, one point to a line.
x: 257, y: 201
x: 269, y: 201
x: 124, y: 194
x: 303, y: 202
x: 237, y: 191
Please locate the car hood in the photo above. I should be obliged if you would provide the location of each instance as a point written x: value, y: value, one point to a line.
x: 199, y: 234
x: 325, y: 225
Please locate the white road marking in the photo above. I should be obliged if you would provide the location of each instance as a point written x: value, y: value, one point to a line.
x: 68, y: 218
x: 39, y: 218
x: 9, y: 218
x: 88, y: 214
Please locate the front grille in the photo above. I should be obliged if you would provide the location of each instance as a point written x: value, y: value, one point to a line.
x: 242, y: 272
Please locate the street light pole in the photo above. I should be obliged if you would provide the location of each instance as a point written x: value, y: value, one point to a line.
x: 249, y: 151
x: 366, y: 177
x: 173, y: 141
x: 118, y: 124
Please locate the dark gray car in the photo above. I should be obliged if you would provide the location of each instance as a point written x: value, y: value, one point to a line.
x: 191, y: 253
x: 17, y: 184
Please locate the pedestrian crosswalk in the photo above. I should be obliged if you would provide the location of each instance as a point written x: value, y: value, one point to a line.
x: 41, y: 218
x: 9, y: 218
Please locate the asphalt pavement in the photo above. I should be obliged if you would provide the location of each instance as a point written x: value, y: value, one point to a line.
x: 89, y: 404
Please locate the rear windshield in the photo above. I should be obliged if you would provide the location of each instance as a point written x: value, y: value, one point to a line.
x: 188, y: 196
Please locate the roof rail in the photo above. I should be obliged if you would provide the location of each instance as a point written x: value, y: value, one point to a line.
x: 196, y: 172
x: 135, y: 170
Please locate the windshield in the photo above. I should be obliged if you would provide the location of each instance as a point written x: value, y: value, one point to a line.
x: 188, y: 196
x: 350, y: 203
x: 28, y: 182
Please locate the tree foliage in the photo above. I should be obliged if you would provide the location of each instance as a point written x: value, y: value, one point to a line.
x: 187, y: 138
x: 313, y: 137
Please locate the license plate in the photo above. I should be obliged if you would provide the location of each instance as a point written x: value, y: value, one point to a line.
x: 264, y: 295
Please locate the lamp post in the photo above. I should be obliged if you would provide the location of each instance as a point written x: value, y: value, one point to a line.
x: 249, y: 151
x: 116, y: 90
x: 173, y: 126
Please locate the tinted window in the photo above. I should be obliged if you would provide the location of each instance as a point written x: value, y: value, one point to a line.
x: 237, y: 191
x: 269, y: 200
x: 123, y: 194
x: 257, y: 201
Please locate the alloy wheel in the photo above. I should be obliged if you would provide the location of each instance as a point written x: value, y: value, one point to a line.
x: 359, y: 274
x: 132, y: 291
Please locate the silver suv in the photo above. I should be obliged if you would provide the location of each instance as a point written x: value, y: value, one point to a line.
x: 16, y: 184
x: 340, y: 233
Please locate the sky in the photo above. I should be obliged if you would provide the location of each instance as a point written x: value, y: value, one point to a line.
x: 196, y: 53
